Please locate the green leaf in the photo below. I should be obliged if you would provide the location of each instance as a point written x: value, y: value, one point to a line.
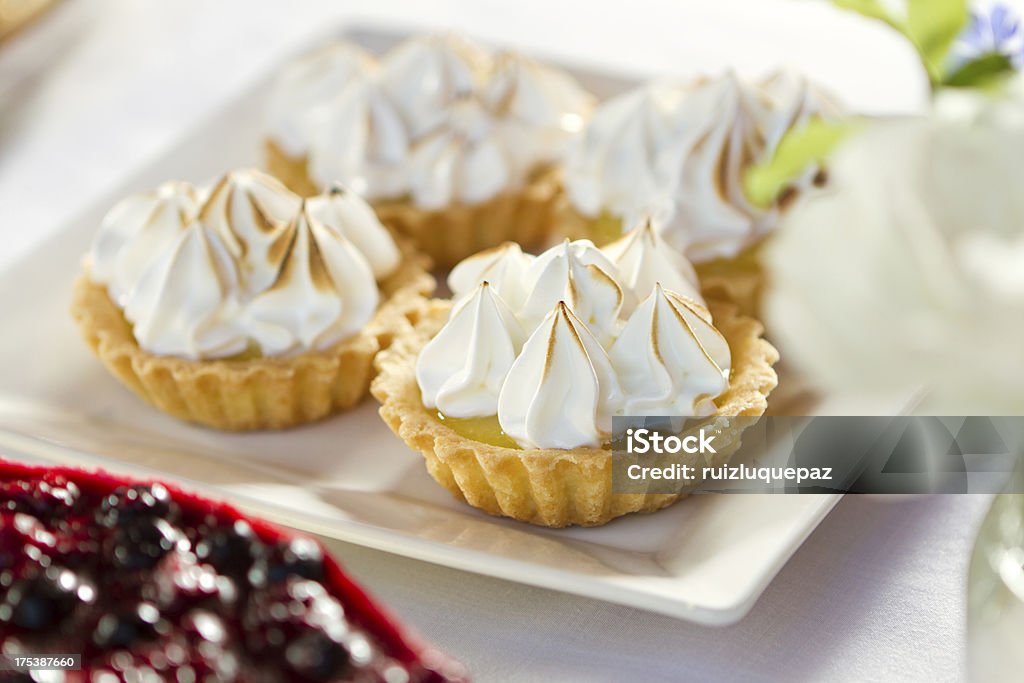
x: 980, y: 72
x: 799, y: 149
x: 933, y: 25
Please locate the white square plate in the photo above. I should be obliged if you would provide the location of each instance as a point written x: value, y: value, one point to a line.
x: 706, y: 559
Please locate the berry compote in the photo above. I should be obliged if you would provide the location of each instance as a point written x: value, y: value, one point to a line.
x: 149, y: 583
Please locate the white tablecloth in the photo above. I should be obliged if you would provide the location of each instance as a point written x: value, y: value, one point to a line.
x: 878, y: 591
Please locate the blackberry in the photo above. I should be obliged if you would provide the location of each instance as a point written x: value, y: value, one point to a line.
x: 129, y: 504
x: 46, y: 500
x: 142, y: 544
x: 316, y: 657
x: 124, y: 629
x: 298, y: 558
x: 41, y: 602
x: 230, y: 550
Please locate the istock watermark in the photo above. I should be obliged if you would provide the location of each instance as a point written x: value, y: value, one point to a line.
x: 647, y: 441
x: 722, y: 454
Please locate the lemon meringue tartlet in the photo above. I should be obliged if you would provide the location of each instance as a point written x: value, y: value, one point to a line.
x: 242, y: 306
x: 457, y: 148
x: 678, y: 155
x: 509, y: 390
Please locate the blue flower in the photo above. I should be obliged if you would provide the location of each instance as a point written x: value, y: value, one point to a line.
x: 997, y: 30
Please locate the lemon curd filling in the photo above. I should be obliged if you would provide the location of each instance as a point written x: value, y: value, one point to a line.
x: 252, y: 352
x: 483, y: 429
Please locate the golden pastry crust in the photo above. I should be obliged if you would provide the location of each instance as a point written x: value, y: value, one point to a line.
x: 451, y: 234
x: 740, y: 279
x: 554, y: 487
x: 260, y: 393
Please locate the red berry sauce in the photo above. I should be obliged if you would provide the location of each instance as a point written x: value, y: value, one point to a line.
x: 149, y: 583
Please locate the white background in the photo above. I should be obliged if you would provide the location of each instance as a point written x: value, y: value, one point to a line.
x: 99, y: 88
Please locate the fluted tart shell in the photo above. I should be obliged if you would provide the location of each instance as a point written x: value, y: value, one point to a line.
x: 555, y: 487
x: 259, y: 393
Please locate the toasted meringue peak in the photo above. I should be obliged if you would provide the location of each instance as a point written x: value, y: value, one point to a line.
x: 366, y: 145
x: 424, y: 75
x: 352, y: 217
x: 461, y: 159
x: 250, y: 210
x: 670, y: 359
x: 539, y: 109
x: 462, y: 369
x: 137, y: 229
x: 185, y: 302
x: 644, y: 258
x: 533, y: 93
x: 561, y: 391
x: 322, y: 292
x: 302, y: 95
x: 579, y: 274
x: 626, y: 160
x: 739, y: 123
x: 797, y: 99
x: 504, y: 267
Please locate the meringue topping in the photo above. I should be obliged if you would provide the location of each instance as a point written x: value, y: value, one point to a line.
x: 323, y: 291
x: 535, y: 94
x: 296, y: 111
x: 797, y: 100
x: 462, y: 369
x: 678, y: 155
x: 138, y: 228
x: 626, y: 160
x: 424, y: 75
x: 593, y: 353
x: 578, y: 274
x: 461, y: 160
x: 253, y: 266
x: 366, y: 146
x: 561, y: 391
x: 436, y: 121
x: 504, y: 267
x: 644, y: 259
x: 250, y: 211
x: 670, y: 359
x: 538, y: 110
x: 185, y: 302
x: 349, y: 214
x: 740, y: 123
